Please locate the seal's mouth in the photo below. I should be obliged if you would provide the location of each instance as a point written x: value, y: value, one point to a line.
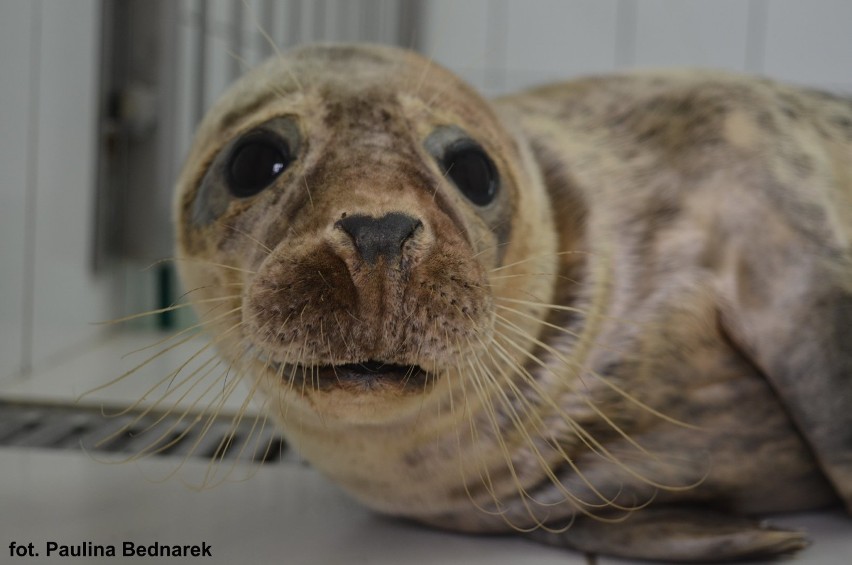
x: 374, y: 369
x: 364, y: 375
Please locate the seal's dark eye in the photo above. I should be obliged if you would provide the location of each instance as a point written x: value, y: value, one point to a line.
x: 255, y: 163
x: 472, y: 171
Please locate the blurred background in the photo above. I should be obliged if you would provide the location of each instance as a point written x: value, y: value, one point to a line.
x: 99, y: 98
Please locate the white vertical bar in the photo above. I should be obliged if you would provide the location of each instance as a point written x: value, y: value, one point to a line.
x: 386, y: 22
x: 67, y: 296
x: 626, y: 33
x: 218, y: 55
x: 497, y: 19
x: 455, y: 34
x: 187, y: 60
x: 756, y: 36
x: 19, y: 37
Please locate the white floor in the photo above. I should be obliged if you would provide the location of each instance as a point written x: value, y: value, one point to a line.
x: 285, y: 513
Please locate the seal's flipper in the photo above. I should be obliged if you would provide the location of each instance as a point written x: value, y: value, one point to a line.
x: 677, y: 534
x: 802, y: 343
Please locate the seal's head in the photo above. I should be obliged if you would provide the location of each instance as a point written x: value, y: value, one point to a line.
x: 349, y: 208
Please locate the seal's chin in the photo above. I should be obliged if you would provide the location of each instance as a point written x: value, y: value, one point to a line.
x: 370, y: 375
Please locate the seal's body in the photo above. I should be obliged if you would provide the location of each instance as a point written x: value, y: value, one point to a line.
x: 615, y: 314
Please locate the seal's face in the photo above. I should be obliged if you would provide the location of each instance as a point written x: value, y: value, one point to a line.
x: 347, y: 227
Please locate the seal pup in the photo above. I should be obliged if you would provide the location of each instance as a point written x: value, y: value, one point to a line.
x: 613, y: 314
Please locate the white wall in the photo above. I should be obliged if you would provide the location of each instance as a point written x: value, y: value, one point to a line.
x: 503, y: 45
x: 48, y: 111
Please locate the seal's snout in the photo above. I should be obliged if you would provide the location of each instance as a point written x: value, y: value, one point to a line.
x: 383, y: 237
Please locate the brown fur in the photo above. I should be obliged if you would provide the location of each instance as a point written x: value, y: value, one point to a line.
x: 655, y: 307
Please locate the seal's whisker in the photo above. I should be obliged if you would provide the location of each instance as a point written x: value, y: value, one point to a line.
x: 251, y: 447
x: 520, y: 426
x: 561, y: 307
x: 289, y: 389
x: 426, y: 380
x: 267, y: 450
x: 639, y: 325
x: 576, y: 369
x: 268, y: 38
x: 155, y: 446
x: 481, y: 237
x: 176, y: 259
x: 533, y: 383
x: 604, y: 380
x: 173, y: 388
x: 605, y: 453
x: 283, y: 392
x: 349, y: 346
x: 423, y: 392
x: 545, y: 323
x: 623, y: 353
x: 235, y: 423
x: 482, y: 468
x: 430, y: 103
x: 542, y: 430
x: 496, y: 246
x: 480, y: 386
x: 176, y: 403
x: 585, y: 437
x: 538, y: 256
x: 532, y: 274
x: 305, y: 371
x: 208, y: 345
x: 207, y: 263
x: 206, y: 287
x: 308, y: 190
x: 193, y: 329
x: 248, y: 66
x: 234, y: 55
x: 171, y: 308
x: 216, y: 403
x: 246, y: 234
x: 315, y: 385
x: 133, y: 370
x: 426, y: 68
x: 166, y: 379
x: 491, y: 415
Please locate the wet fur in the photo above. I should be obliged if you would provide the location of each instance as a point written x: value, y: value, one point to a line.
x: 655, y: 312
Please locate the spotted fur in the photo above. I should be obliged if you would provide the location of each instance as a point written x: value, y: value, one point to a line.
x: 655, y: 310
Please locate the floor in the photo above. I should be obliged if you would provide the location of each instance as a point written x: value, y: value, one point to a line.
x: 284, y: 513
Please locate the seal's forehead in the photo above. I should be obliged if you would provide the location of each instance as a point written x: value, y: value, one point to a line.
x: 302, y: 80
x: 363, y: 67
x: 315, y: 68
x: 305, y: 65
x: 362, y: 73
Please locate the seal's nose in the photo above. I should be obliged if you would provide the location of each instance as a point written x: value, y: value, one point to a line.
x: 379, y: 237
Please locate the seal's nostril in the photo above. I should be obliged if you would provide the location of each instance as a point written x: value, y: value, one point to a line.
x: 379, y: 237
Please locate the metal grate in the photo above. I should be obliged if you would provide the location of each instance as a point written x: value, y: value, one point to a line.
x: 50, y: 426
